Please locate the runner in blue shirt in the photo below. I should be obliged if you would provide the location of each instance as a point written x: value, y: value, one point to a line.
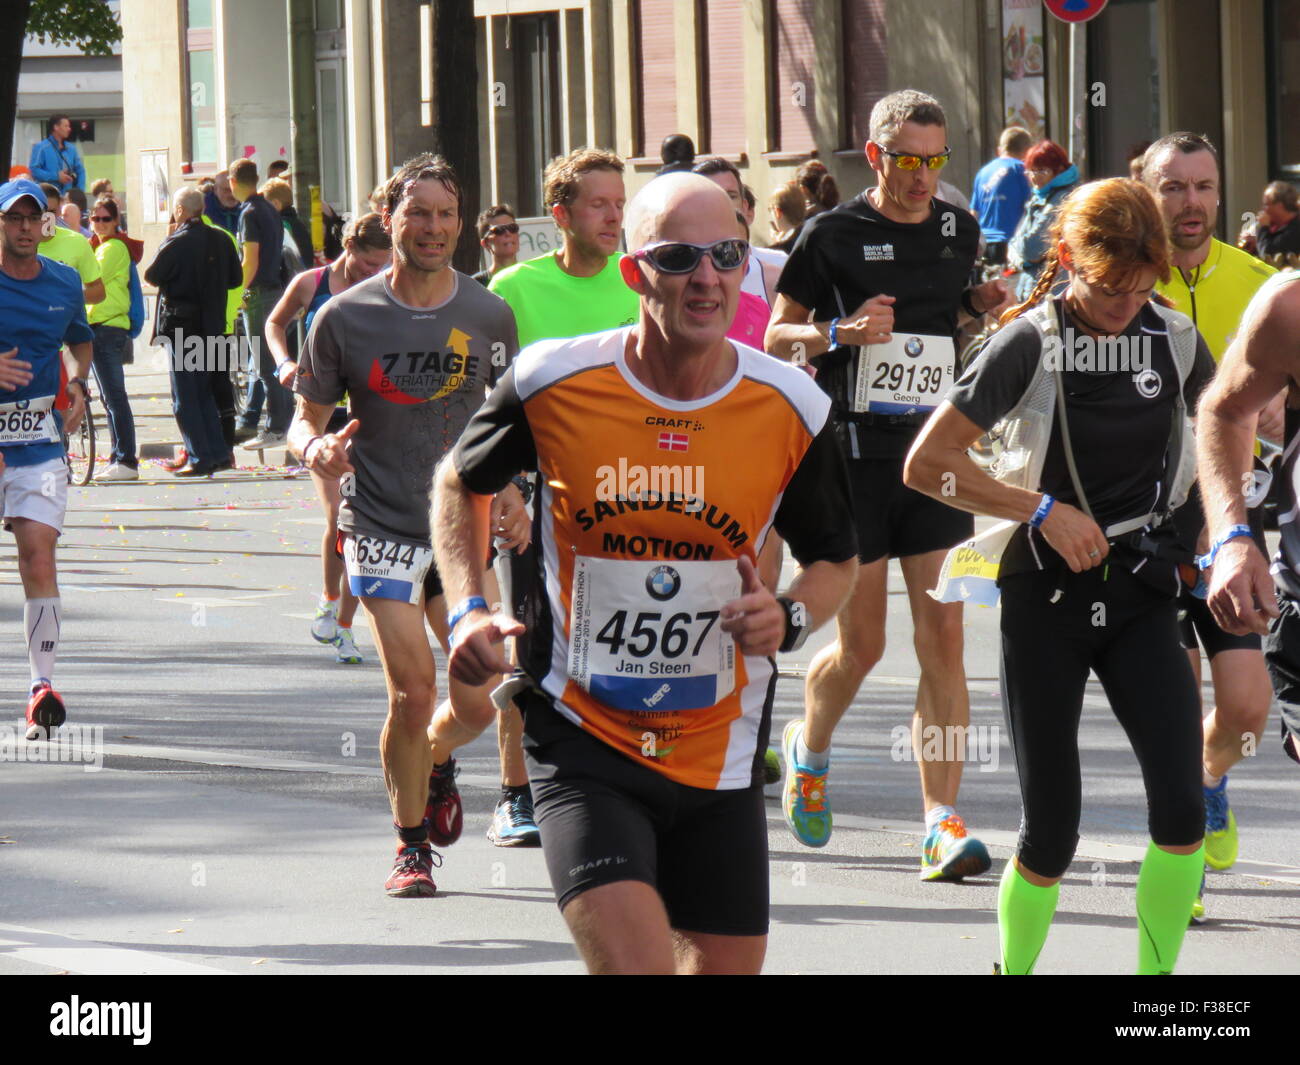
x: 41, y: 309
x: 1000, y: 192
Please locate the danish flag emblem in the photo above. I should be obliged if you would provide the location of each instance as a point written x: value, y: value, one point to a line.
x: 673, y: 441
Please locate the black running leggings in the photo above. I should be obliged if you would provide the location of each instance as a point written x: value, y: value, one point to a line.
x: 1127, y: 633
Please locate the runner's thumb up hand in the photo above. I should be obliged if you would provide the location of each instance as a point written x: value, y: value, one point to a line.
x: 749, y: 579
x: 348, y: 431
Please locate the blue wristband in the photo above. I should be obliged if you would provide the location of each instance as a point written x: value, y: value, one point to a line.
x: 1206, y: 560
x: 831, y: 335
x: 474, y: 602
x: 1044, y: 509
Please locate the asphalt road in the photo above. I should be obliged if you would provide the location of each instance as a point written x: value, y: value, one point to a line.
x: 238, y: 824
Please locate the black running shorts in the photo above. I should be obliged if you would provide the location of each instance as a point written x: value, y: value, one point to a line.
x: 1197, y: 627
x: 894, y: 521
x: 1282, y: 654
x: 604, y: 819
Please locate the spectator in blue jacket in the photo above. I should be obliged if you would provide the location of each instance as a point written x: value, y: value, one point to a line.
x: 220, y: 204
x: 1054, y: 177
x: 1000, y: 191
x: 56, y: 160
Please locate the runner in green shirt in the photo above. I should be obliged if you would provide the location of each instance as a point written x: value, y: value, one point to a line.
x: 577, y: 289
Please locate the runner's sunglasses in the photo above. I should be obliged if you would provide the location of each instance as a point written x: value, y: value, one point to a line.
x: 913, y: 162
x: 677, y: 257
x: 505, y: 227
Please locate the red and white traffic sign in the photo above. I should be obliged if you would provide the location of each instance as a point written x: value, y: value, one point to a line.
x: 1075, y: 10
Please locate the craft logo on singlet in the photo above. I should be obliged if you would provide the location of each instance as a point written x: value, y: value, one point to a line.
x: 878, y: 253
x: 624, y: 482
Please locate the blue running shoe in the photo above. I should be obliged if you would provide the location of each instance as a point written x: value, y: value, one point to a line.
x: 514, y: 823
x: 1220, y: 828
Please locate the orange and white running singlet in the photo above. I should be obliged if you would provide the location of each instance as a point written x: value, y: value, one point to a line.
x: 644, y: 507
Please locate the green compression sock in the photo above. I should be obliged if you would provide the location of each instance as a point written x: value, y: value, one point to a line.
x: 1024, y: 917
x: 1166, y: 889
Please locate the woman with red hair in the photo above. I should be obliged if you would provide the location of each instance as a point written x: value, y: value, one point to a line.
x: 1089, y: 393
x: 1053, y: 177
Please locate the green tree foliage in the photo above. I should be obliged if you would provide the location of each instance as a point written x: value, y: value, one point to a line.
x: 90, y: 24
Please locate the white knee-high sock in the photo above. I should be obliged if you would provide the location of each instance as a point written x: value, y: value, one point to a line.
x: 41, y: 620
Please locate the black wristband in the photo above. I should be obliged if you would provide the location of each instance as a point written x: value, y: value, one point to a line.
x: 968, y: 304
x: 307, y: 447
x: 525, y: 486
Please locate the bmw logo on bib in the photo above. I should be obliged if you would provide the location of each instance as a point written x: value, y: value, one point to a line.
x: 663, y: 583
x: 914, y: 346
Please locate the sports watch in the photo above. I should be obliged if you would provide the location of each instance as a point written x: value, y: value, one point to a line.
x: 796, y: 624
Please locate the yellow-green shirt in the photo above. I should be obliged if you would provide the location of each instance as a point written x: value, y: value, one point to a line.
x: 550, y: 304
x: 1216, y: 294
x: 74, y: 250
x: 236, y: 295
x: 115, y: 266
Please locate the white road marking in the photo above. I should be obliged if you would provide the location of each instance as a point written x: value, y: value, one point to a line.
x: 84, y: 956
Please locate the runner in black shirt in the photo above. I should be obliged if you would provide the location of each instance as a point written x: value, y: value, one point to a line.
x: 1088, y: 583
x: 871, y: 296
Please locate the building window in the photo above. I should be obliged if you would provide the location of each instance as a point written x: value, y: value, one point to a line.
x: 656, y: 68
x: 524, y: 101
x: 201, y: 78
x: 866, y: 67
x: 722, y: 26
x: 792, y: 70
x: 1284, y: 82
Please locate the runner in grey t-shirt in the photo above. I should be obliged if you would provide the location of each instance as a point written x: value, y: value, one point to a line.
x: 414, y: 349
x: 413, y: 377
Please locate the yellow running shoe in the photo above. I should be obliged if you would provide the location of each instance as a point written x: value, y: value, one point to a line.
x: 1220, y: 828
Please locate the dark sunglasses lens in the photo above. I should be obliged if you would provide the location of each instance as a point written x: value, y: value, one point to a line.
x: 729, y: 254
x: 676, y: 258
x: 512, y: 227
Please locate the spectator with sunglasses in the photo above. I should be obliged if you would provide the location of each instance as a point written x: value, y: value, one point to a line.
x: 110, y: 321
x: 1053, y: 177
x: 874, y: 290
x: 498, y: 233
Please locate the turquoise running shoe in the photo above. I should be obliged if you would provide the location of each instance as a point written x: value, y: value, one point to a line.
x: 950, y: 854
x: 804, y: 801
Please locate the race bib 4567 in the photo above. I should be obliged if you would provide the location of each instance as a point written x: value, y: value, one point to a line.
x: 648, y: 635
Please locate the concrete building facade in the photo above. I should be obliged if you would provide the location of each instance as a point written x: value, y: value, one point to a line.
x: 767, y: 83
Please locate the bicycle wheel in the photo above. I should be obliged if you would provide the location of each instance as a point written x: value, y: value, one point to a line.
x: 239, y: 369
x: 81, y: 449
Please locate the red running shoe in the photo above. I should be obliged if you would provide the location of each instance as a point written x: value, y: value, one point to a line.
x: 45, y: 712
x: 443, y: 816
x: 412, y: 876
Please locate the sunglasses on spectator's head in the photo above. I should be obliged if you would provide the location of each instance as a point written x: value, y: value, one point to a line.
x: 505, y: 227
x: 676, y: 257
x: 913, y: 162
